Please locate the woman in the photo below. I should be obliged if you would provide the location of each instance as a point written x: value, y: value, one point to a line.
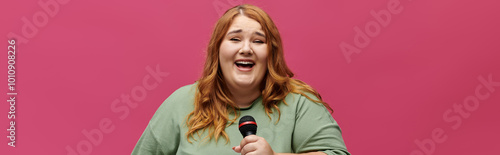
x: 245, y: 74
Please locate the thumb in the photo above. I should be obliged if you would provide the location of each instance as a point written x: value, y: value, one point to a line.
x: 237, y: 149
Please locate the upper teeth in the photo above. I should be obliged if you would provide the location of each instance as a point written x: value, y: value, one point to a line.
x: 244, y: 62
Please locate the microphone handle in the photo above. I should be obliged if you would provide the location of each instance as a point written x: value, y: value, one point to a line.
x: 248, y: 133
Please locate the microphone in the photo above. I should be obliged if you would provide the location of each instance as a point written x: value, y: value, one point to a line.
x: 247, y: 126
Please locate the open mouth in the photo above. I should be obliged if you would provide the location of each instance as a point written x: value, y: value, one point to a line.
x: 244, y: 64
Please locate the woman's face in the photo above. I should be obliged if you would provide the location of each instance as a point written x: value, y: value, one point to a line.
x: 243, y: 54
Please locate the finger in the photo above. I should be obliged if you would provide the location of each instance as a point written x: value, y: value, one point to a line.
x: 252, y: 153
x: 248, y: 139
x: 237, y: 149
x: 249, y: 148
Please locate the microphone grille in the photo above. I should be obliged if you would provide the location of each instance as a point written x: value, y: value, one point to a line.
x: 246, y: 119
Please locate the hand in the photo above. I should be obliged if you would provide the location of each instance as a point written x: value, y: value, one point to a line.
x: 254, y: 145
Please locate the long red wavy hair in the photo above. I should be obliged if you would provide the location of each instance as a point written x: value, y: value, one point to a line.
x: 213, y: 102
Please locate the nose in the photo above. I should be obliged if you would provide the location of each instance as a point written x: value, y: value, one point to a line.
x: 246, y: 49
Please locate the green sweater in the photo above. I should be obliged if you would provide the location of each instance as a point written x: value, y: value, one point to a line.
x: 304, y: 126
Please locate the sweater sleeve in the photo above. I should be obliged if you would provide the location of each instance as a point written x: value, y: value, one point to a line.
x: 147, y: 144
x: 316, y: 130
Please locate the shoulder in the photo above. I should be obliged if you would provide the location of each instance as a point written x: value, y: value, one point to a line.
x: 300, y: 99
x: 304, y: 103
x: 183, y: 94
x: 177, y: 105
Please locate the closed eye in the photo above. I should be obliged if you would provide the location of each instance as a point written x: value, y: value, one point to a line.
x: 259, y: 41
x: 234, y: 39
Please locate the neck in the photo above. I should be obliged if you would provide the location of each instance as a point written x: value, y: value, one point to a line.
x: 244, y: 97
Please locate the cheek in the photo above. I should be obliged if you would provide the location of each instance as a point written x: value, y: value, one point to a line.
x: 262, y: 54
x: 225, y: 53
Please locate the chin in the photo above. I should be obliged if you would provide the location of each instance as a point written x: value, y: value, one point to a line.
x: 244, y: 83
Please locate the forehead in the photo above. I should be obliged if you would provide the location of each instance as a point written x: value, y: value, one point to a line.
x: 246, y: 24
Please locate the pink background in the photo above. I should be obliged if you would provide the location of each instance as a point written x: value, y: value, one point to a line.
x: 392, y: 93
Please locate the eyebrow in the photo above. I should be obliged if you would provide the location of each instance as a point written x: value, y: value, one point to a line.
x: 260, y: 34
x: 239, y: 31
